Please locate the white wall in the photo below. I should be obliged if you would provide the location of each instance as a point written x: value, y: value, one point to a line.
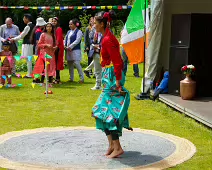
x: 178, y: 7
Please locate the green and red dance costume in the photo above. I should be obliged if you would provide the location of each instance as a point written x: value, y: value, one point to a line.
x: 111, y: 108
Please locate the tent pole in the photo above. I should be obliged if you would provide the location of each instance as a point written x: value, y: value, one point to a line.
x: 143, y: 95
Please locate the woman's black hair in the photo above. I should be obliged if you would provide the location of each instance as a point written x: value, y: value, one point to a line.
x: 53, y: 32
x: 28, y: 16
x: 77, y: 23
x: 58, y: 22
x: 32, y: 36
x: 99, y: 17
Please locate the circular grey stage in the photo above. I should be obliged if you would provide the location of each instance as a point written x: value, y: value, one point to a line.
x: 84, y: 149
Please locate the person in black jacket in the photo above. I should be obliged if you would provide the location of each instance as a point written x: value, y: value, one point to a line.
x: 87, y: 39
x: 27, y: 46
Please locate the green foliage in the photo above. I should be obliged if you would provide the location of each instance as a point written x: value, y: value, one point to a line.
x: 21, y: 65
x: 85, y: 21
x: 117, y: 27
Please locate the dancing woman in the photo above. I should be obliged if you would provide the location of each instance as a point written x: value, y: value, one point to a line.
x: 111, y: 108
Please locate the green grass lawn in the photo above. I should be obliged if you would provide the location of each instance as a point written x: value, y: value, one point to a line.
x: 70, y: 105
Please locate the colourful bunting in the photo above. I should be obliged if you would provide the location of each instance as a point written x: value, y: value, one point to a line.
x: 18, y: 75
x: 47, y: 62
x: 23, y: 75
x: 33, y: 85
x: 119, y: 7
x: 9, y: 59
x: 17, y: 58
x: 3, y: 58
x: 37, y: 76
x: 4, y: 77
x: 35, y: 57
x: 48, y: 56
x: 29, y: 58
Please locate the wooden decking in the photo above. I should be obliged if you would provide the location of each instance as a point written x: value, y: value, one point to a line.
x: 199, y: 109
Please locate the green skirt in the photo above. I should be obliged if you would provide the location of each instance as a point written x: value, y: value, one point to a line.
x: 111, y: 108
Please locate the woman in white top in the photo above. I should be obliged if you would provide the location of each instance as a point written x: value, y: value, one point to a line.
x: 73, y: 49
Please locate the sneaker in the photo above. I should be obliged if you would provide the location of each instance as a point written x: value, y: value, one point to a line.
x: 96, y: 88
x: 136, y: 75
x: 87, y: 73
x: 90, y: 73
x: 81, y: 81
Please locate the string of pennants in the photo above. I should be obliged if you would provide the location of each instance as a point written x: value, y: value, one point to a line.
x: 119, y: 7
x: 17, y: 58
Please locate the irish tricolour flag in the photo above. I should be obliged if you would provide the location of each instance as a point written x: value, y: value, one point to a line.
x: 132, y: 38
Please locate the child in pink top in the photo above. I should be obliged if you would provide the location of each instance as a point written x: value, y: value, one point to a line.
x: 6, y: 64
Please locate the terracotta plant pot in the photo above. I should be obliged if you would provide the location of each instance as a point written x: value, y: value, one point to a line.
x: 187, y: 88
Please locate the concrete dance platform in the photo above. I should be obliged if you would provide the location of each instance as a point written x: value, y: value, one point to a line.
x: 84, y: 148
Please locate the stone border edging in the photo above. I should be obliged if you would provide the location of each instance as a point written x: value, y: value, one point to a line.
x: 184, y: 150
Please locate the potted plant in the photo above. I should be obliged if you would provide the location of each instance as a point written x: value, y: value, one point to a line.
x: 188, y: 86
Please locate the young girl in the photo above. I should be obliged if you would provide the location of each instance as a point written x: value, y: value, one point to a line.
x: 73, y: 49
x: 111, y: 108
x: 46, y: 45
x: 59, y: 52
x: 7, y: 64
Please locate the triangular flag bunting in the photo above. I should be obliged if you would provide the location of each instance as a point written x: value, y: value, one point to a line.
x: 47, y: 62
x: 9, y: 76
x: 29, y: 58
x: 35, y: 57
x: 33, y: 85
x: 18, y: 75
x: 10, y: 59
x: 4, y: 77
x: 1, y: 86
x: 17, y: 57
x: 23, y: 75
x: 37, y: 76
x: 2, y: 58
x: 48, y: 56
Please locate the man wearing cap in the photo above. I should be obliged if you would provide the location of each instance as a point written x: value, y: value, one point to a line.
x: 27, y: 46
x: 8, y: 31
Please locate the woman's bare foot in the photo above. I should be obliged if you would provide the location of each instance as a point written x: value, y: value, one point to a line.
x: 109, y: 151
x: 116, y: 153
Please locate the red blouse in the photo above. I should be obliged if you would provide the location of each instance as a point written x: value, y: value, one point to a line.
x: 110, y: 52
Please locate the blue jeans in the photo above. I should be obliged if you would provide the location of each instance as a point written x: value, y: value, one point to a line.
x: 125, y: 60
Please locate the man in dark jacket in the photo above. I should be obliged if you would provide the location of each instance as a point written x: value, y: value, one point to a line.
x: 87, y: 39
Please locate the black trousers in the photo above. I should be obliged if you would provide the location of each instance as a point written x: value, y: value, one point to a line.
x: 90, y: 59
x: 113, y: 133
x: 56, y: 60
x: 43, y: 77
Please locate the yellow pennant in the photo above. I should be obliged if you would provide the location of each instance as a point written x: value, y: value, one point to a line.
x: 47, y: 62
x: 79, y: 7
x: 23, y: 75
x: 33, y: 85
x: 1, y: 86
x: 35, y: 57
x: 102, y: 7
x: 57, y: 7
x: 34, y: 7
x: 109, y: 7
x: 2, y: 58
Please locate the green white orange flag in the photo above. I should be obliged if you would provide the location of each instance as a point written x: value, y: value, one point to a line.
x: 132, y: 37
